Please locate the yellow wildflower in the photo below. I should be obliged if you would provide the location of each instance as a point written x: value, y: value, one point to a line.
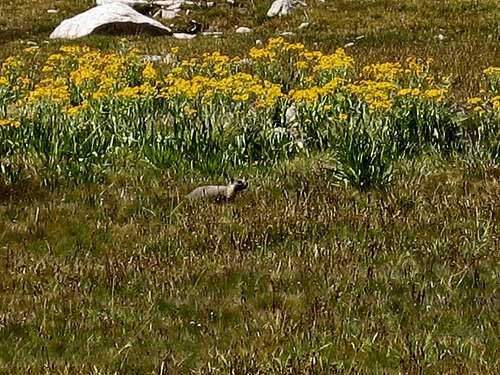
x: 337, y: 60
x: 495, y: 102
x: 189, y: 111
x: 10, y: 122
x: 409, y: 92
x: 474, y: 101
x: 149, y: 72
x: 383, y: 71
x: 75, y: 110
x: 434, y: 93
x: 129, y: 92
x: 492, y: 70
x: 241, y: 97
x: 12, y: 63
x: 31, y: 49
x: 301, y: 65
x: 343, y: 116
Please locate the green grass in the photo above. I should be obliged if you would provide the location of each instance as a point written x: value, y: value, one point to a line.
x: 294, y: 276
x: 118, y: 274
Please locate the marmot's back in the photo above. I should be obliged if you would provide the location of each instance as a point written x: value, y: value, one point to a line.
x: 209, y: 191
x: 218, y: 192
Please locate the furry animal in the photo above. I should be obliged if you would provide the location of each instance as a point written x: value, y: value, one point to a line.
x: 219, y: 192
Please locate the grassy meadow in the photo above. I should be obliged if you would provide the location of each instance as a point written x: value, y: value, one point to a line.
x: 368, y: 239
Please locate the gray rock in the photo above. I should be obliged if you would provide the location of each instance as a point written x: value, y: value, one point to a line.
x: 291, y: 115
x: 165, y: 59
x: 215, y: 34
x: 167, y: 14
x: 111, y: 18
x: 280, y: 8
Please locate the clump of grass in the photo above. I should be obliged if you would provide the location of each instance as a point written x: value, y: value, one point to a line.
x: 365, y: 158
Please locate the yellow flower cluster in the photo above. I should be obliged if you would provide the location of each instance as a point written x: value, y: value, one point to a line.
x: 314, y: 66
x: 378, y: 95
x: 492, y: 71
x: 11, y: 64
x: 10, y: 122
x: 239, y: 87
x: 313, y: 94
x: 55, y: 90
x: 489, y: 100
x: 75, y: 110
x: 382, y: 72
x: 338, y: 60
x: 495, y: 102
x: 483, y: 105
x: 75, y: 77
x: 384, y: 85
x: 149, y: 73
x: 265, y: 54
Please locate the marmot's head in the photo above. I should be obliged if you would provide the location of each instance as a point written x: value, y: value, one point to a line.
x: 238, y: 185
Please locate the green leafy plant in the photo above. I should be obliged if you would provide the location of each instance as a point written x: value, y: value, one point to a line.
x: 365, y: 157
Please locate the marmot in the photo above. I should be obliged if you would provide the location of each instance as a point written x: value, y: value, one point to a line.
x: 219, y: 192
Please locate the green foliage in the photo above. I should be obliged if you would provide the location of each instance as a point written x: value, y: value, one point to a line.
x: 420, y: 127
x: 365, y: 157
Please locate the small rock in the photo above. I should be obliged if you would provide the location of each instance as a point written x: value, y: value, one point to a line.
x: 185, y: 36
x: 291, y: 114
x: 440, y: 37
x: 287, y: 33
x: 347, y: 45
x: 52, y: 11
x: 303, y: 25
x: 259, y: 42
x: 152, y: 58
x: 167, y: 59
x: 243, y: 29
x: 246, y: 61
x: 167, y: 14
x: 215, y: 34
